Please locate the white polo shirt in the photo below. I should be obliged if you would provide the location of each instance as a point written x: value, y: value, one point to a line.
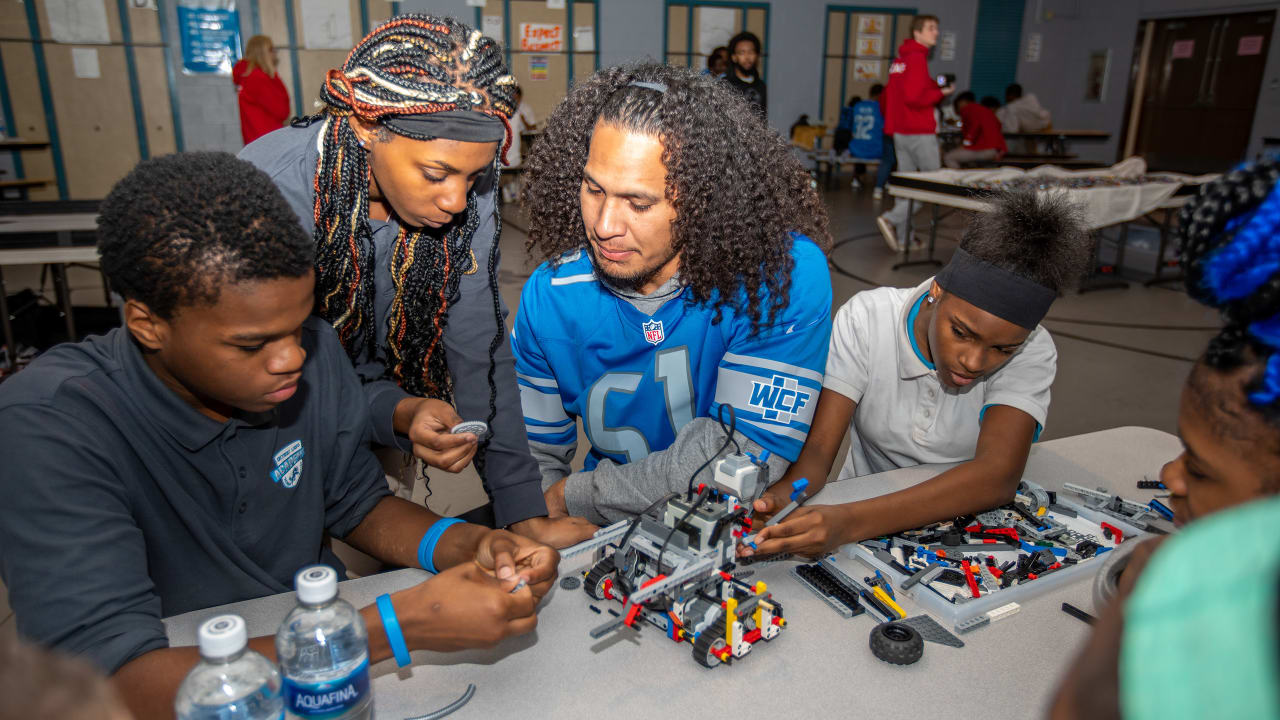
x: 905, y: 416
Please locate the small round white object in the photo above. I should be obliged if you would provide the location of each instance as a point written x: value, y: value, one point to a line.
x: 316, y: 584
x: 222, y: 636
x: 479, y: 427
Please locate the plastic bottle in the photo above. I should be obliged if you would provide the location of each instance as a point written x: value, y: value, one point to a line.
x: 323, y: 648
x: 231, y: 682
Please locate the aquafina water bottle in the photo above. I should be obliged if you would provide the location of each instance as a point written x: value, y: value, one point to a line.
x: 231, y: 682
x: 323, y: 649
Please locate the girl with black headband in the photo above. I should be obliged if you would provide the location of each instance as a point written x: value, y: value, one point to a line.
x: 956, y: 369
x: 396, y: 178
x: 1162, y: 625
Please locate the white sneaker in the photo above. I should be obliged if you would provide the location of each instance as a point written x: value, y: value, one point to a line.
x: 877, y: 193
x: 888, y: 232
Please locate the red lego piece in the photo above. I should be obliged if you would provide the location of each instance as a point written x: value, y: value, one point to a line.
x: 607, y: 588
x: 746, y: 521
x: 1032, y: 576
x: 1013, y: 534
x: 752, y: 636
x: 1116, y: 533
x: 725, y: 576
x: 968, y: 576
x: 631, y: 615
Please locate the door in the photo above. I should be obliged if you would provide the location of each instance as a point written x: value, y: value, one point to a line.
x: 1201, y: 90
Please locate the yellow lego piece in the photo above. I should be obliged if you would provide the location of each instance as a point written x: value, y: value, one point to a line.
x: 730, y: 617
x: 1041, y: 511
x: 761, y: 587
x: 887, y: 601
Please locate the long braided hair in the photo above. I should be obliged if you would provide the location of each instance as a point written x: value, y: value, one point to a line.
x: 1231, y: 256
x: 413, y: 64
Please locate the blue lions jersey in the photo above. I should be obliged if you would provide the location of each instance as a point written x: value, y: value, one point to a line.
x: 636, y: 379
x: 868, y: 130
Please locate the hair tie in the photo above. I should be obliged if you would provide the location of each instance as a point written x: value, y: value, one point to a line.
x: 1251, y: 257
x: 649, y: 85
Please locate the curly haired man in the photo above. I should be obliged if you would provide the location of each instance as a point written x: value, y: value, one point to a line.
x: 685, y: 271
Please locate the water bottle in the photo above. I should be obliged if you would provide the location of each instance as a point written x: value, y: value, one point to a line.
x: 324, y: 652
x: 231, y: 682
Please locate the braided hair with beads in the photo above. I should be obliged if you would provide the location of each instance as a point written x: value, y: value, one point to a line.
x: 1231, y: 256
x: 412, y: 65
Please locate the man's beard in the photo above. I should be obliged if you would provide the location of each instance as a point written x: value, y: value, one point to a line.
x: 633, y: 281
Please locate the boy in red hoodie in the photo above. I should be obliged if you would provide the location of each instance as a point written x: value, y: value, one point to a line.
x: 983, y: 137
x: 910, y: 98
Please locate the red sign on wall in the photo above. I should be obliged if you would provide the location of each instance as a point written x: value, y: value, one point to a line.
x: 1183, y: 49
x: 541, y: 37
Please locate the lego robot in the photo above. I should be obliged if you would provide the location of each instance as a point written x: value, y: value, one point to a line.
x: 676, y: 571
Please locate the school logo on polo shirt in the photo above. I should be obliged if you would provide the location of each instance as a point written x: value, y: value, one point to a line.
x: 288, y: 460
x: 778, y: 399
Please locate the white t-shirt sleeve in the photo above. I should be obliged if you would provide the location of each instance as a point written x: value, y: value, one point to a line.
x: 849, y: 358
x: 1024, y: 383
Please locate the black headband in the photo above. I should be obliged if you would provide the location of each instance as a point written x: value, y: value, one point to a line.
x: 462, y: 125
x: 1006, y: 295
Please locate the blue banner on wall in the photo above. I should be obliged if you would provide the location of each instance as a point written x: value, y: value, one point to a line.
x: 210, y: 39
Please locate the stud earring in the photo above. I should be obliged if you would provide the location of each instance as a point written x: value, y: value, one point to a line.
x: 931, y: 299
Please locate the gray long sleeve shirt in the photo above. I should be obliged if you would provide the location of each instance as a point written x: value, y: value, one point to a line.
x: 289, y: 156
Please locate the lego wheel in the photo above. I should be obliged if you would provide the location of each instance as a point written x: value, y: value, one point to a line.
x: 593, y: 584
x: 896, y: 643
x: 708, y: 653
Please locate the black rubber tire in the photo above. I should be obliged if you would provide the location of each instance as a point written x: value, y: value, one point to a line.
x: 896, y: 643
x: 594, y: 581
x: 710, y: 639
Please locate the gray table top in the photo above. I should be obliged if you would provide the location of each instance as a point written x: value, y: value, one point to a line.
x: 1006, y: 670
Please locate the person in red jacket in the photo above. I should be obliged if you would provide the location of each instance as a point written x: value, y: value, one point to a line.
x: 910, y: 98
x: 983, y: 137
x: 264, y: 102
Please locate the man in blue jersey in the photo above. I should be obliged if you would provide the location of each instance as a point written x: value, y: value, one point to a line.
x: 685, y: 272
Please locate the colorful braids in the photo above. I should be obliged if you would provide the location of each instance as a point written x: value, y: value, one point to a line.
x: 1231, y: 256
x: 411, y: 65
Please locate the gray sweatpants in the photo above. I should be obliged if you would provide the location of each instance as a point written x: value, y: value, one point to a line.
x: 958, y: 156
x: 915, y: 153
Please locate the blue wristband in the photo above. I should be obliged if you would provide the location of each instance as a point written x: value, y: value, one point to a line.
x: 391, y: 626
x: 427, y: 547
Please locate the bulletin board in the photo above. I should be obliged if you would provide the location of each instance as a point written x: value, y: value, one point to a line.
x: 93, y: 84
x: 544, y: 60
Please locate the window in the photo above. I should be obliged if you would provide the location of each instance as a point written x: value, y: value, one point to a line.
x: 860, y: 45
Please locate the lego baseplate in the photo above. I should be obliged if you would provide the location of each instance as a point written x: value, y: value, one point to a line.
x: 930, y: 630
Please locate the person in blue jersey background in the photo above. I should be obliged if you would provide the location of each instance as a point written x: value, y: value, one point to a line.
x: 685, y: 270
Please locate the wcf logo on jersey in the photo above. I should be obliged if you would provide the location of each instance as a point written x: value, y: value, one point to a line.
x: 779, y: 399
x: 653, y: 331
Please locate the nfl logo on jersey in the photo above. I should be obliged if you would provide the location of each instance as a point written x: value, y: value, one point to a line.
x: 653, y: 331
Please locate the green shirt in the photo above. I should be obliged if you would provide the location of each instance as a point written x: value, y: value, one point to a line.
x: 1200, y: 628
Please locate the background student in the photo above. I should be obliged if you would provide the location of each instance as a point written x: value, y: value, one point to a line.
x: 910, y: 101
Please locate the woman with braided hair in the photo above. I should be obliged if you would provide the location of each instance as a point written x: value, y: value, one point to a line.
x: 1164, y: 647
x: 396, y: 178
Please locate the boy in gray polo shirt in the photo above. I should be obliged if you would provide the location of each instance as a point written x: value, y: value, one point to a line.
x: 199, y: 455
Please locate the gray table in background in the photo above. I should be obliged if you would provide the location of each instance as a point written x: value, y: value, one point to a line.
x: 819, y: 667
